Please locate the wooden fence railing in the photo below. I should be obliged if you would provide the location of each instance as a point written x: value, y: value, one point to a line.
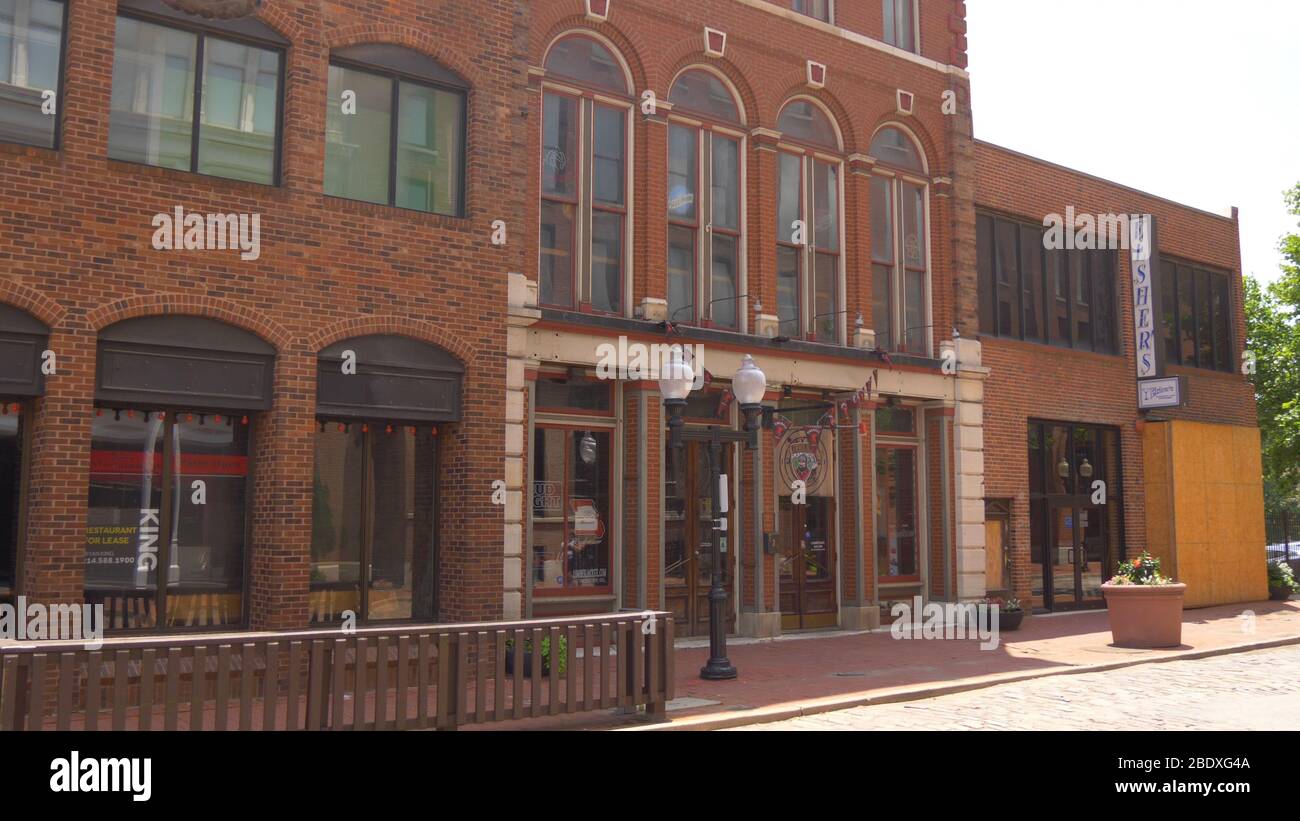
x: 391, y: 678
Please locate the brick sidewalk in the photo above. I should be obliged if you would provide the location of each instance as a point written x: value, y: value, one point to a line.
x: 809, y: 673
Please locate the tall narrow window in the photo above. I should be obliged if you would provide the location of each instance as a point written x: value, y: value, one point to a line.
x: 571, y: 510
x: 809, y: 193
x: 585, y: 169
x: 900, y: 247
x: 900, y: 24
x: 31, y: 49
x: 394, y: 130
x: 11, y: 456
x: 704, y: 196
x: 896, y: 512
x: 196, y: 100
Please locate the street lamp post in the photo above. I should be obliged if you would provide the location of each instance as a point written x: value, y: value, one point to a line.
x: 748, y: 385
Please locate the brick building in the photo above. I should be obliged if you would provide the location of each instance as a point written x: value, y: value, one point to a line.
x: 337, y: 390
x: 399, y: 400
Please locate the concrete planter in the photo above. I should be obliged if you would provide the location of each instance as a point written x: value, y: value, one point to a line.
x: 1145, y: 615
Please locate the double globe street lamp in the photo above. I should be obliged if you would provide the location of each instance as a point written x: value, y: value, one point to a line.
x: 676, y: 379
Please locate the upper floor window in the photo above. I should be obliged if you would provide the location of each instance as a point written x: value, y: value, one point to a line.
x: 197, y: 100
x: 819, y: 9
x: 900, y: 24
x: 900, y: 244
x: 1196, y: 308
x: 31, y: 45
x: 1058, y: 296
x: 584, y: 177
x: 705, y: 180
x: 395, y: 130
x: 809, y: 259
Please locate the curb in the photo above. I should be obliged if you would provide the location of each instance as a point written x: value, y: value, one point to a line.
x: 768, y: 715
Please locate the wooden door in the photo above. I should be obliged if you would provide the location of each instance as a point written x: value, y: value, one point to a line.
x: 807, y: 572
x: 689, y: 540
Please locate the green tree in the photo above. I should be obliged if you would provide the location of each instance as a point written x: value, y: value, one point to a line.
x: 1273, y: 331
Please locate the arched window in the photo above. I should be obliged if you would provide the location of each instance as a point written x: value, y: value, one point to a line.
x: 809, y: 261
x: 175, y: 400
x: 584, y: 177
x: 374, y: 541
x: 395, y: 129
x: 705, y: 183
x: 805, y: 121
x: 900, y: 250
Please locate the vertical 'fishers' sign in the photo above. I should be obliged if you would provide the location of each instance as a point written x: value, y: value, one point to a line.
x: 1141, y: 242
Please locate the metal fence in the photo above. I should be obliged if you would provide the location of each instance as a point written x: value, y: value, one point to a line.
x: 394, y: 678
x: 1282, y: 535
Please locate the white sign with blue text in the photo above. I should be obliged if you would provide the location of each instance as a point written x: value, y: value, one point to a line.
x: 1144, y: 320
x: 1166, y: 392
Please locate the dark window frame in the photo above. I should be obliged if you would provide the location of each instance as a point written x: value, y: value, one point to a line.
x: 1217, y: 278
x: 397, y: 76
x: 370, y: 431
x: 202, y: 29
x: 1045, y: 287
x: 165, y: 517
x: 56, y: 138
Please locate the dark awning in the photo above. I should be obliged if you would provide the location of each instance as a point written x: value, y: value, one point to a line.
x: 397, y: 379
x: 184, y: 361
x: 23, y: 338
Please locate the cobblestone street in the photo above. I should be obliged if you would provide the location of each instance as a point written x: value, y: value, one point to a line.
x: 1257, y: 690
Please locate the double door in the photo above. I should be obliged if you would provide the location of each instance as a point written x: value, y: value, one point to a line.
x: 690, y: 538
x: 807, y: 571
x: 1075, y: 560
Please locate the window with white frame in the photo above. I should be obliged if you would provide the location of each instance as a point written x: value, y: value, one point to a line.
x: 900, y: 252
x: 586, y: 105
x: 705, y: 220
x: 900, y: 24
x: 809, y: 259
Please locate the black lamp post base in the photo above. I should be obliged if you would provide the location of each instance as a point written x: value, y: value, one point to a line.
x: 718, y: 670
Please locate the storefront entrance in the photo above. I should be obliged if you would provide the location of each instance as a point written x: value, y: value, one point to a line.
x: 689, y: 539
x: 807, y: 571
x: 1076, y: 513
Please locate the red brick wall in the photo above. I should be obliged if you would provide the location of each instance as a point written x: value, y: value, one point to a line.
x: 942, y: 25
x: 1044, y: 382
x: 765, y: 60
x: 77, y: 253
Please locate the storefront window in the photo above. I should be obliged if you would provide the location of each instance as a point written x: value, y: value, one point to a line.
x: 373, y: 511
x: 11, y: 453
x: 896, y: 537
x: 571, y: 510
x: 167, y: 501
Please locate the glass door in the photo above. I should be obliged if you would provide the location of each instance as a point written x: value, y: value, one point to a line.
x: 1064, y: 583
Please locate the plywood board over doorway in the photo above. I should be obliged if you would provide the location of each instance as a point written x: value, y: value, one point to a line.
x: 1205, y: 509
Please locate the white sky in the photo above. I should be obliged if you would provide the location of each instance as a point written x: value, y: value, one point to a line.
x: 1197, y: 101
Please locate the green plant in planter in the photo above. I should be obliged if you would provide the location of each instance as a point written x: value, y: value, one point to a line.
x: 1143, y: 570
x: 1282, y: 577
x: 546, y: 652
